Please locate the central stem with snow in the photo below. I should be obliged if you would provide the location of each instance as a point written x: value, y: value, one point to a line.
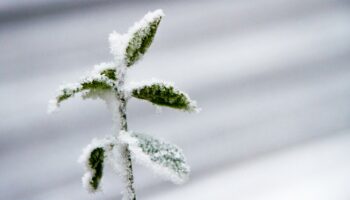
x: 129, y: 192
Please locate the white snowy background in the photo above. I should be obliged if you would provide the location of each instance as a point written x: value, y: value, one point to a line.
x: 272, y: 78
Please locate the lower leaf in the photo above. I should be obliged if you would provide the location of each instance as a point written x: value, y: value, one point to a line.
x: 164, y: 158
x: 93, y: 158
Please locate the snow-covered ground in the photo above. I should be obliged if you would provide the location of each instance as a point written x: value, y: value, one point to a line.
x: 272, y: 78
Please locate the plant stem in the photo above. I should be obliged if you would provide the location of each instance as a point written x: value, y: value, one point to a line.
x: 129, y: 192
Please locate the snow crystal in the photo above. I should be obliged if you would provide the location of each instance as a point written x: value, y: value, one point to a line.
x: 164, y: 159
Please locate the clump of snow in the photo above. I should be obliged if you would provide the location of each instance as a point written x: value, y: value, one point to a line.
x: 166, y: 160
x: 118, y: 43
x: 104, y: 66
x: 53, y: 106
x: 95, y: 75
x: 114, y: 158
x: 107, y: 144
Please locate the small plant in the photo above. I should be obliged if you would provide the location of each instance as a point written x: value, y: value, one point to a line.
x: 107, y: 81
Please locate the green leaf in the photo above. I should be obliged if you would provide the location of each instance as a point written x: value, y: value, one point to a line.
x: 93, y: 158
x: 142, y: 34
x: 96, y: 164
x: 163, y: 94
x: 100, y: 83
x: 110, y: 73
x: 164, y: 158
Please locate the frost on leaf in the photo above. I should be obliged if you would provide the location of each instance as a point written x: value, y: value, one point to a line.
x: 99, y: 80
x: 141, y: 36
x: 106, y: 69
x: 163, y: 94
x: 165, y: 159
x: 93, y: 158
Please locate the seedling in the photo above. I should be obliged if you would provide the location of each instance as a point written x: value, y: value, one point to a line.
x: 107, y: 82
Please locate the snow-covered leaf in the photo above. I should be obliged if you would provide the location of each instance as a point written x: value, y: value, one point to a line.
x: 163, y: 94
x: 102, y: 78
x: 93, y: 157
x: 141, y: 36
x: 96, y: 166
x: 164, y: 158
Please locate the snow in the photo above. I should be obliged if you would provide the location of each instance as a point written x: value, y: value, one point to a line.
x: 139, y: 84
x: 97, y: 77
x: 104, y: 66
x: 166, y: 160
x: 52, y: 106
x: 95, y: 74
x: 118, y: 43
x: 114, y: 157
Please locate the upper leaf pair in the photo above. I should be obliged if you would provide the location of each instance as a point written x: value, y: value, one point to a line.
x: 157, y: 92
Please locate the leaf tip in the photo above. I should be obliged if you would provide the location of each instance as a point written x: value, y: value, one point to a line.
x: 52, y: 106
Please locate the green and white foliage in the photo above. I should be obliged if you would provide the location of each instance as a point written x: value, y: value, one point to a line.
x: 93, y: 158
x: 130, y: 47
x: 162, y: 93
x: 100, y: 80
x: 106, y: 81
x: 164, y: 158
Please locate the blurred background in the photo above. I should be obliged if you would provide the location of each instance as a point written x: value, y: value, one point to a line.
x: 272, y: 78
